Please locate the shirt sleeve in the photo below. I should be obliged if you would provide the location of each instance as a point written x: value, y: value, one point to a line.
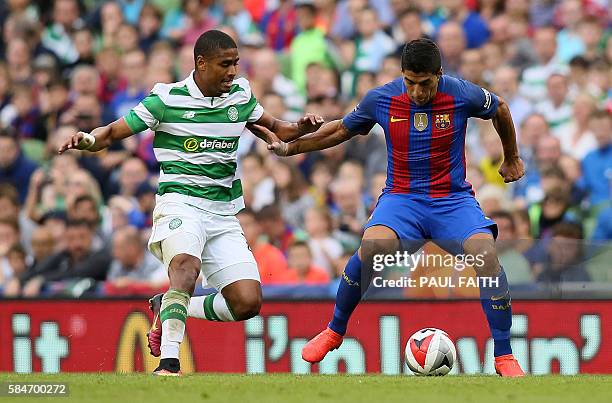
x: 147, y: 114
x: 256, y: 114
x: 480, y: 102
x: 363, y: 117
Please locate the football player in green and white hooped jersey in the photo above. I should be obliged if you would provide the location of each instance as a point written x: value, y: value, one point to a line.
x: 197, y: 124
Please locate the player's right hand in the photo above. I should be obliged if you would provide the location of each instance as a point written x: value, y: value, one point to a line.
x: 279, y: 148
x: 72, y: 142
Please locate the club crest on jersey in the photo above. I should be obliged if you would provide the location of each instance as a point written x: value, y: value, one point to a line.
x: 442, y: 121
x: 420, y: 121
x: 175, y: 223
x: 232, y: 113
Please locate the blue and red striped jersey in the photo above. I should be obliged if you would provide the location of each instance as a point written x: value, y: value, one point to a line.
x: 425, y: 144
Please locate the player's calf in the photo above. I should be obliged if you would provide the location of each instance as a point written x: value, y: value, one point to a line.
x: 240, y: 300
x: 244, y: 298
x: 494, y: 291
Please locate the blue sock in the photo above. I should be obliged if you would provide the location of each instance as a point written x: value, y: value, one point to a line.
x: 348, y: 296
x: 496, y: 304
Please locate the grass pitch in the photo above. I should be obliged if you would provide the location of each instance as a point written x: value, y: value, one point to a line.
x: 286, y: 388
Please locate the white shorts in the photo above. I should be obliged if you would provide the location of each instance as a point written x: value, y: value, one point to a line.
x: 218, y: 241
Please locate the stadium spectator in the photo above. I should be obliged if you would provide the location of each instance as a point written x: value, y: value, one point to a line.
x: 236, y: 16
x: 324, y: 248
x: 131, y: 174
x: 452, y: 42
x: 270, y: 260
x: 372, y: 43
x: 15, y: 168
x: 149, y: 26
x: 301, y: 267
x: 274, y: 227
x: 490, y: 163
x: 84, y: 43
x: 57, y: 37
x: 309, y: 46
x: 79, y: 260
x: 133, y: 63
x: 266, y: 73
x: 475, y: 28
x: 517, y: 267
x: 597, y: 165
x: 556, y: 107
x: 505, y: 84
x: 291, y: 192
x: 279, y: 26
x: 551, y: 211
x: 347, y: 12
x: 577, y: 139
x: 111, y: 18
x: 533, y: 83
x: 409, y: 27
x: 133, y: 269
x: 564, y: 263
x: 471, y: 67
x: 256, y: 178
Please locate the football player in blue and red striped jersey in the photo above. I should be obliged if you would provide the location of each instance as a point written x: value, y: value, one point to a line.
x: 424, y: 115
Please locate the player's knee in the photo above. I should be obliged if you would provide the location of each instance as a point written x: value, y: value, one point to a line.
x: 184, y: 270
x: 246, y: 307
x: 487, y: 263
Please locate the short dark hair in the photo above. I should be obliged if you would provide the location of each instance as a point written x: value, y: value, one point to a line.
x: 76, y: 223
x: 269, y: 212
x: 300, y: 244
x: 212, y: 41
x: 503, y: 214
x: 568, y: 229
x: 85, y: 198
x: 421, y: 56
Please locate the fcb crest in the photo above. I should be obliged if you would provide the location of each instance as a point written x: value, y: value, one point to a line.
x: 443, y: 121
x: 420, y: 121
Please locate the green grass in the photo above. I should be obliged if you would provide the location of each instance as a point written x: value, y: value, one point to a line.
x: 136, y: 388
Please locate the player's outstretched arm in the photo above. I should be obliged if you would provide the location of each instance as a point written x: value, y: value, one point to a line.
x: 512, y: 169
x: 329, y: 135
x: 99, y: 138
x: 287, y: 131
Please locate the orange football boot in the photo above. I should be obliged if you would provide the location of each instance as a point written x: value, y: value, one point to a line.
x: 316, y: 349
x: 508, y: 366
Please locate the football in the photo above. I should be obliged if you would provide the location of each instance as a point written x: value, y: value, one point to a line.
x: 430, y: 352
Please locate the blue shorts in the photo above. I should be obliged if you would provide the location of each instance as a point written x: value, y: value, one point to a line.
x: 448, y: 221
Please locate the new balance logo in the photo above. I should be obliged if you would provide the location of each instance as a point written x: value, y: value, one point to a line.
x: 188, y: 115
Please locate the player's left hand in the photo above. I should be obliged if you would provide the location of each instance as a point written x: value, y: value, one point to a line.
x: 512, y: 169
x: 310, y: 123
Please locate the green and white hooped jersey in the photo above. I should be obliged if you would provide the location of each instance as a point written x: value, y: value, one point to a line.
x: 196, y: 141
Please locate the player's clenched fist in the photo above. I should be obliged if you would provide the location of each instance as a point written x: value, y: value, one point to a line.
x: 80, y: 141
x: 512, y: 169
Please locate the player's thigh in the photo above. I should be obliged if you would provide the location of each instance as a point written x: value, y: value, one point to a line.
x: 457, y: 218
x: 395, y: 223
x: 176, y: 231
x: 227, y: 257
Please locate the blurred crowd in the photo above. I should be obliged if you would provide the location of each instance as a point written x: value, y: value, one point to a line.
x: 78, y: 223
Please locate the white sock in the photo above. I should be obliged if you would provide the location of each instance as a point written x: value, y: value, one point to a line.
x: 173, y: 314
x: 210, y: 307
